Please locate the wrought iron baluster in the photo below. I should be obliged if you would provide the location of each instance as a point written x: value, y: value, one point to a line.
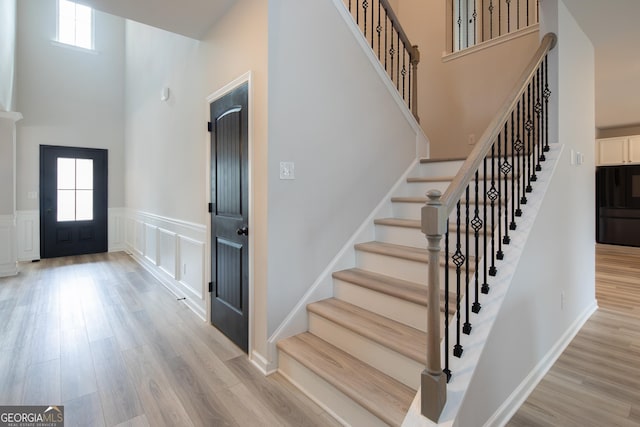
x: 518, y: 7
x: 506, y: 169
x: 509, y: 15
x: 404, y: 72
x: 379, y: 28
x: 529, y: 127
x: 475, y: 25
x: 519, y: 148
x: 547, y: 95
x: 459, y: 22
x: 372, y: 21
x: 493, y: 194
x: 476, y: 224
x: 499, y: 254
x: 527, y: 13
x: 536, y: 127
x: 398, y: 64
x: 499, y: 18
x: 365, y: 6
x: 485, y: 284
x: 392, y: 50
x: 491, y: 19
x: 512, y: 225
x: 467, y: 325
x: 458, y: 260
x: 539, y: 112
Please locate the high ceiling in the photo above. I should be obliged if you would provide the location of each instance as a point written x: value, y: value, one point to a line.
x: 612, y: 26
x: 191, y: 18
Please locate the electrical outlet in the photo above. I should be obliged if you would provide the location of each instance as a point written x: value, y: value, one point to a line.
x: 287, y: 170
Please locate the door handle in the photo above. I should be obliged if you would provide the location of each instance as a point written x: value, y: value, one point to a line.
x: 244, y: 230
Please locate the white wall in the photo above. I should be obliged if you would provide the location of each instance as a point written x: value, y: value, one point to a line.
x: 331, y: 115
x: 68, y: 97
x: 7, y: 147
x: 7, y: 53
x: 459, y: 97
x: 167, y: 146
x: 533, y: 326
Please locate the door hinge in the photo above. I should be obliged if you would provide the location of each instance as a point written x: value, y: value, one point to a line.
x: 209, y: 126
x: 210, y: 286
x: 210, y: 207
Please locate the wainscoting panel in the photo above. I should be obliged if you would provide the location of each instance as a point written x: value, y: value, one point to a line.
x: 150, y: 242
x: 28, y: 235
x: 173, y: 251
x: 192, y: 265
x: 8, y: 258
x: 116, y: 229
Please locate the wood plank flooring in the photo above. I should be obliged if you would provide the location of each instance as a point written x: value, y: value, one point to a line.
x: 101, y: 336
x: 596, y: 381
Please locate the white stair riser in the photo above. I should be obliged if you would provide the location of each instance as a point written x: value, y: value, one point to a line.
x: 414, y: 238
x: 324, y: 394
x: 388, y: 361
x: 419, y: 189
x: 436, y: 169
x: 409, y: 313
x: 410, y: 210
x: 400, y: 268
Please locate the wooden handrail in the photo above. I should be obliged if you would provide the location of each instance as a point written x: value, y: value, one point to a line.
x: 472, y: 164
x: 396, y: 24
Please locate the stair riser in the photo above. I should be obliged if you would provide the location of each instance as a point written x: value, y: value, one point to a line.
x: 406, y: 210
x: 414, y: 238
x: 386, y: 360
x: 404, y: 269
x: 324, y: 394
x: 420, y: 189
x: 400, y: 310
x: 436, y: 169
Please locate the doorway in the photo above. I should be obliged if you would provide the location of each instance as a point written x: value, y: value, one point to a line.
x: 230, y: 215
x: 73, y: 201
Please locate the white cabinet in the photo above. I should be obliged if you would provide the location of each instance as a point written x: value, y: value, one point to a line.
x: 618, y: 151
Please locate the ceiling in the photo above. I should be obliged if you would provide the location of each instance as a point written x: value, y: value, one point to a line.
x: 191, y: 18
x: 612, y: 26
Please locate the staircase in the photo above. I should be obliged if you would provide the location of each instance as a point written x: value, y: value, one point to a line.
x: 365, y: 349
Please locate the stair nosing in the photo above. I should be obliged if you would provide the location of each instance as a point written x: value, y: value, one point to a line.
x: 376, y: 408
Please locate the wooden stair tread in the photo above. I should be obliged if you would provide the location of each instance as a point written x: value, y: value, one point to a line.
x: 396, y: 336
x: 402, y: 289
x: 424, y: 160
x: 396, y: 251
x: 423, y: 200
x: 416, y: 179
x: 380, y: 394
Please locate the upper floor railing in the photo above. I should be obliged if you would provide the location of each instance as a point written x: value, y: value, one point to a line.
x: 476, y: 21
x: 388, y: 40
x: 475, y: 215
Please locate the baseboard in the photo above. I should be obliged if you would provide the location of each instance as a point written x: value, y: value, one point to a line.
x: 510, y: 406
x: 261, y: 363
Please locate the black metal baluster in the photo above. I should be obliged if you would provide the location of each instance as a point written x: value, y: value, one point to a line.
x: 475, y: 24
x: 529, y: 127
x: 518, y: 10
x: 458, y: 260
x: 499, y: 18
x: 446, y: 369
x: 547, y: 94
x: 540, y: 109
x: 349, y: 5
x: 372, y: 21
x: 527, y: 13
x: 476, y: 224
x: 483, y: 38
x: 379, y: 28
x: 459, y: 22
x: 485, y: 284
x: 499, y: 254
x: 398, y: 63
x: 365, y: 6
x: 505, y: 169
x: 391, y: 50
x: 512, y: 226
x: 536, y: 128
x: 524, y: 176
x: 358, y: 13
x: 509, y: 15
x: 490, y: 19
x: 518, y: 146
x: 493, y: 195
x: 404, y: 71
x: 467, y: 325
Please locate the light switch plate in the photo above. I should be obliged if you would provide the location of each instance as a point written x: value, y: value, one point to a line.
x: 287, y: 170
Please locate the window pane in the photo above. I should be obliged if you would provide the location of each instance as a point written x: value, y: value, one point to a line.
x: 66, y: 205
x: 84, y: 174
x: 83, y: 34
x: 84, y: 205
x: 66, y: 22
x: 66, y: 174
x: 75, y: 24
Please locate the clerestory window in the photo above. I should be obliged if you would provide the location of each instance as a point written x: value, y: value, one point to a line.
x: 75, y: 24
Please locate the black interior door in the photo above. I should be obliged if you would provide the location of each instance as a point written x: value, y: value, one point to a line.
x: 229, y: 217
x: 73, y: 201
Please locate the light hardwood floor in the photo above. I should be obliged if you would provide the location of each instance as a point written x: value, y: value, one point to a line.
x: 101, y: 336
x: 596, y: 381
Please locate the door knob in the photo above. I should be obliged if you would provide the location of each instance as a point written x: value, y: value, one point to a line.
x: 244, y: 230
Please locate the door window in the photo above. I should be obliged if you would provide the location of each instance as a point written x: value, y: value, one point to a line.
x: 75, y: 189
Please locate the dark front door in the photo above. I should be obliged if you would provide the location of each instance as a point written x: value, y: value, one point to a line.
x: 73, y: 201
x: 229, y: 217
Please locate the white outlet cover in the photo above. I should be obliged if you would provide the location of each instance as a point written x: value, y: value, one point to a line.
x: 287, y: 170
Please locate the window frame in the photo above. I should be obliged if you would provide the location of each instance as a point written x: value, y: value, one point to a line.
x: 92, y: 32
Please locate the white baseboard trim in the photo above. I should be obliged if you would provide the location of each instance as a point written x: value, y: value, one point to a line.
x: 510, y: 406
x: 261, y: 363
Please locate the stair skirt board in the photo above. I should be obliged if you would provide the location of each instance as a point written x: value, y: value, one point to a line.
x: 398, y: 309
x: 376, y: 355
x: 332, y: 400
